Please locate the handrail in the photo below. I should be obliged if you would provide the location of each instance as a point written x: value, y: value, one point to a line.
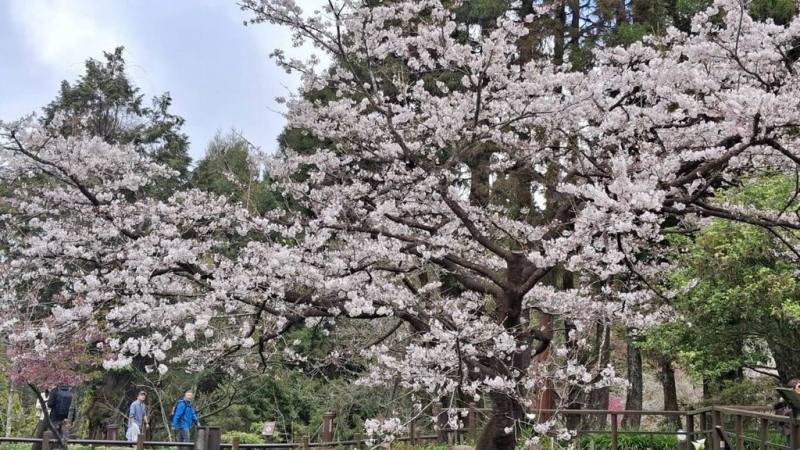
x: 749, y: 413
x: 713, y: 426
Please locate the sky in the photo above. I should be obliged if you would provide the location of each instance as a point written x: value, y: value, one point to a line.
x: 217, y: 71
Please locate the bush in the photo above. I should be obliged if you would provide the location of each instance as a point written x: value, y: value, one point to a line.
x: 629, y: 442
x: 244, y: 438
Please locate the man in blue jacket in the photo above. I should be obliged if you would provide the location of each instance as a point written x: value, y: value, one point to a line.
x: 185, y: 417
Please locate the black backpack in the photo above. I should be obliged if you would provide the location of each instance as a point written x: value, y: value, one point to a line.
x: 63, y: 401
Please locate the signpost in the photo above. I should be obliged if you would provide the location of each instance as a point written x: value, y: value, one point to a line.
x: 268, y: 429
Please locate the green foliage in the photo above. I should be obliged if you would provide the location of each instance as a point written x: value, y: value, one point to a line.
x: 744, y: 391
x: 228, y: 169
x: 244, y: 438
x: 684, y: 11
x: 629, y: 33
x: 629, y: 442
x: 738, y: 294
x: 104, y: 103
x: 780, y: 11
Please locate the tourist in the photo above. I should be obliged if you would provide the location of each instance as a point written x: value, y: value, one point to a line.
x: 137, y: 417
x: 184, y: 417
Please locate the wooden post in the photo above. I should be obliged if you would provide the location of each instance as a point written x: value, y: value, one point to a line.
x: 441, y: 434
x: 689, y: 431
x: 716, y: 421
x: 327, y: 426
x: 235, y: 443
x: 614, y: 431
x: 111, y: 431
x: 140, y: 441
x: 704, y: 427
x: 738, y: 426
x: 473, y: 422
x: 47, y: 436
x: 213, y: 438
x: 763, y: 433
x: 412, y: 431
x: 794, y: 434
x: 305, y: 442
x: 201, y: 441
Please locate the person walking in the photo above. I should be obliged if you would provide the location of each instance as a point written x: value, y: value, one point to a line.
x: 184, y: 417
x: 62, y: 411
x: 137, y: 417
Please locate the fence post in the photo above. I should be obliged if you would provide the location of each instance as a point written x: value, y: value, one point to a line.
x: 305, y: 442
x: 763, y: 433
x: 47, y: 436
x: 412, y: 430
x: 111, y: 431
x: 201, y: 441
x: 327, y: 426
x: 614, y: 433
x: 738, y: 425
x: 704, y: 427
x: 235, y: 443
x: 716, y: 421
x: 473, y: 422
x: 140, y: 441
x: 794, y: 434
x: 213, y: 438
x: 441, y: 434
x: 689, y: 431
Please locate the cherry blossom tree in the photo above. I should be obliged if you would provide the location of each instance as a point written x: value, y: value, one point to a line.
x: 395, y: 224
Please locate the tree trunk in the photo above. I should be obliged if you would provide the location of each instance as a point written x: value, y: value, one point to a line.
x: 635, y: 394
x: 505, y: 413
x: 9, y: 409
x: 667, y: 377
x: 558, y: 40
x: 107, y: 398
x: 598, y: 399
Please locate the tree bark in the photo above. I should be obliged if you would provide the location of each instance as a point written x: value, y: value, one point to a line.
x: 107, y: 399
x: 635, y: 394
x: 599, y: 398
x: 9, y: 409
x: 667, y: 378
x: 505, y: 412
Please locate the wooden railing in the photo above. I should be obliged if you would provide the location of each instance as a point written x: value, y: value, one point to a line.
x: 723, y: 428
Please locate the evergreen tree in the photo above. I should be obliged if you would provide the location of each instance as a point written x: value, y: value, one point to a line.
x: 104, y: 103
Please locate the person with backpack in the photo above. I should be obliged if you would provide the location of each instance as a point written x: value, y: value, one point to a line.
x: 63, y: 411
x: 184, y: 417
x: 63, y: 408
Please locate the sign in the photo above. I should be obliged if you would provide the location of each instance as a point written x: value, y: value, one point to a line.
x: 268, y: 429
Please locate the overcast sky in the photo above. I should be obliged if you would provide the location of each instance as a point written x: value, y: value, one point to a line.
x: 217, y: 70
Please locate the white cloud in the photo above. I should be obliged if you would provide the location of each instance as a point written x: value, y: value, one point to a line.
x: 60, y: 34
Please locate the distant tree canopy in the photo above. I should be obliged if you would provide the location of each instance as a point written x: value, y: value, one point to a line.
x: 229, y: 168
x: 741, y: 300
x: 103, y: 102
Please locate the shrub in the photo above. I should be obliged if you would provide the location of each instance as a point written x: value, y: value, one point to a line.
x: 244, y: 438
x: 629, y: 442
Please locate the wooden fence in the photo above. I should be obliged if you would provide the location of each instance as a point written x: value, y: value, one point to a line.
x: 722, y: 427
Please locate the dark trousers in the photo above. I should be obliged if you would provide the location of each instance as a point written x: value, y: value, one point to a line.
x: 184, y: 435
